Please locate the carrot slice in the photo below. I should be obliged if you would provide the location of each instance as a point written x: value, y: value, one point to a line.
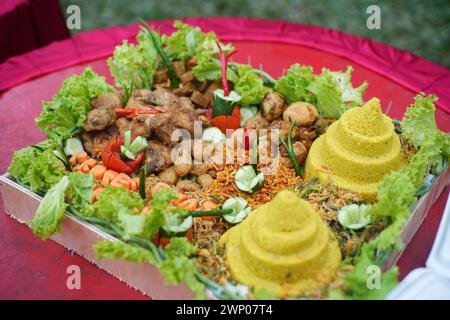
x: 190, y: 204
x: 108, y: 177
x: 156, y: 187
x: 95, y: 194
x: 98, y: 171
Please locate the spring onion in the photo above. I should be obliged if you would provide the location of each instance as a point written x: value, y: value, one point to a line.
x: 290, y: 151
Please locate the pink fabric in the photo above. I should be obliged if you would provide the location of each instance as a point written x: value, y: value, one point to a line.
x: 29, y: 24
x: 413, y: 72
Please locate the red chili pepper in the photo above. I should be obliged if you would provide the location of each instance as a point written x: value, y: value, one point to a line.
x: 224, y: 66
x: 133, y: 112
x: 112, y: 160
x: 232, y: 121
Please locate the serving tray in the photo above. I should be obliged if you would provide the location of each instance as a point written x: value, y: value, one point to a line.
x: 78, y: 236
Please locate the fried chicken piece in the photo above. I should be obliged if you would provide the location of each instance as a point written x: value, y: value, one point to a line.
x: 103, y: 112
x: 157, y: 157
x: 273, y: 106
x: 283, y: 127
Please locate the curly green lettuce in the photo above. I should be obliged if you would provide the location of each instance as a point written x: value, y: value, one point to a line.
x: 189, y: 41
x: 250, y: 86
x: 123, y: 251
x: 418, y: 120
x: 66, y: 113
x: 178, y: 267
x: 81, y: 189
x: 38, y: 169
x: 134, y: 66
x: 50, y: 213
x: 294, y: 85
x: 335, y: 93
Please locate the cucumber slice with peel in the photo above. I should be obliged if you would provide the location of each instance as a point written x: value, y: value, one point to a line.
x: 239, y: 207
x: 73, y: 146
x: 248, y: 180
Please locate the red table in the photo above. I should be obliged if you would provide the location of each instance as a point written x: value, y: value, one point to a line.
x: 33, y: 269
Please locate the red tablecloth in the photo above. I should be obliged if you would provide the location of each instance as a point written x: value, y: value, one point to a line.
x: 31, y: 268
x: 29, y: 24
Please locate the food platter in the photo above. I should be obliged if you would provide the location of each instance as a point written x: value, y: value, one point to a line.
x: 78, y: 236
x: 218, y: 181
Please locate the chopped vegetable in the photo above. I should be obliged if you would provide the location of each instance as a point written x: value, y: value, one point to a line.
x: 239, y: 207
x: 223, y: 105
x: 213, y: 135
x: 248, y: 180
x: 232, y: 121
x: 174, y: 224
x: 112, y: 160
x: 247, y: 113
x: 354, y: 216
x: 73, y: 146
x: 51, y: 210
x: 66, y: 113
x: 131, y: 149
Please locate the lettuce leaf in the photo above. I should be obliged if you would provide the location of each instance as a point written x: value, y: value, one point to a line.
x: 121, y: 250
x: 294, y: 85
x: 81, y: 189
x: 133, y: 66
x: 356, y: 282
x: 178, y: 267
x: 189, y: 41
x: 207, y: 67
x: 51, y: 210
x: 38, y: 169
x: 418, y: 120
x: 114, y: 201
x: 67, y: 111
x: 335, y: 93
x: 250, y: 86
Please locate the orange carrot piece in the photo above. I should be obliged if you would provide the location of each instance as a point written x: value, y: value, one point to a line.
x: 90, y: 163
x: 181, y: 197
x: 209, y: 205
x: 96, y: 193
x: 133, y: 185
x: 81, y: 156
x: 98, y: 171
x: 156, y: 187
x: 190, y: 204
x: 109, y: 176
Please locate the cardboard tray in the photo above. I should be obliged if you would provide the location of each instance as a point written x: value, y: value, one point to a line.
x: 78, y: 236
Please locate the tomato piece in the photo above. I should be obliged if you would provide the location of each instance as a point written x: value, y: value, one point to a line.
x: 112, y: 160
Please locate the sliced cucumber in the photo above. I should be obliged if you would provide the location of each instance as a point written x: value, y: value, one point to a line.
x: 174, y: 225
x: 248, y: 180
x: 73, y: 146
x: 224, y: 105
x: 213, y: 135
x: 127, y: 153
x: 239, y: 207
x: 247, y: 113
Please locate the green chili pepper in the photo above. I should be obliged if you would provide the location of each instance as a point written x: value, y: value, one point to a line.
x: 142, y: 175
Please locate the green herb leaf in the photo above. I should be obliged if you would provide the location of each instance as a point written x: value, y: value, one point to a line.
x: 121, y: 250
x: 51, y: 211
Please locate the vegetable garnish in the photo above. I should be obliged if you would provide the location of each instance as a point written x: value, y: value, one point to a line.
x: 142, y: 175
x: 157, y: 44
x: 51, y: 210
x: 288, y: 148
x: 73, y: 146
x: 232, y: 121
x: 223, y: 104
x: 224, y: 66
x: 112, y: 160
x: 354, y: 216
x: 248, y: 180
x: 239, y: 207
x: 133, y: 112
x: 213, y: 135
x: 131, y: 149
